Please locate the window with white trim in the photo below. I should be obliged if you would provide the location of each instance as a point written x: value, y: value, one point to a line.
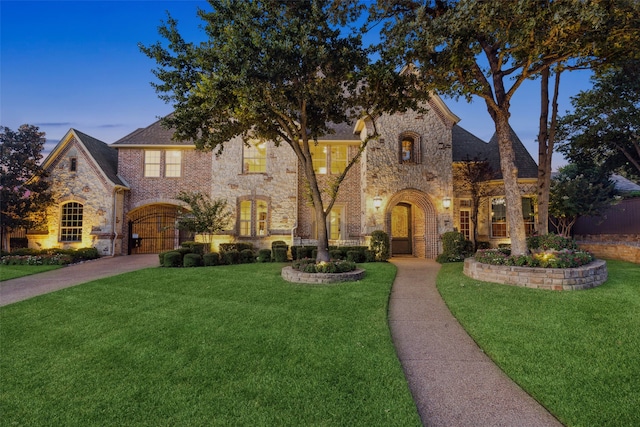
x: 152, y: 163
x: 71, y: 222
x: 173, y: 163
x: 498, y: 217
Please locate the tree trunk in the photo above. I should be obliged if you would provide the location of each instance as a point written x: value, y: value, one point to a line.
x: 546, y: 139
x: 511, y: 188
x: 321, y: 217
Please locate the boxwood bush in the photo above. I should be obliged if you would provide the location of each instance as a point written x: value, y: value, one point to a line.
x: 192, y: 260
x: 247, y: 256
x: 280, y: 254
x: 172, y: 259
x: 210, y: 259
x: 264, y: 255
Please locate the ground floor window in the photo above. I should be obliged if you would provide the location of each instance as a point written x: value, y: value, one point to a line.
x: 499, y: 216
x: 253, y: 218
x: 465, y: 224
x: 71, y: 222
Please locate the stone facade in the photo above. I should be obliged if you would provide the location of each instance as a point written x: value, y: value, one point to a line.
x: 77, y: 177
x: 399, y: 185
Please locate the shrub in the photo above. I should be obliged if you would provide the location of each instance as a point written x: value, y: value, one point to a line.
x: 369, y: 256
x: 161, y: 256
x: 195, y: 247
x: 237, y: 246
x: 380, y: 245
x: 264, y: 255
x: 565, y: 258
x: 300, y: 252
x: 355, y: 256
x: 84, y: 254
x: 336, y: 254
x: 247, y: 256
x: 309, y: 265
x: 551, y: 242
x: 192, y: 260
x: 279, y: 243
x: 172, y: 259
x: 211, y: 258
x: 280, y: 254
x: 454, y: 247
x: 230, y: 257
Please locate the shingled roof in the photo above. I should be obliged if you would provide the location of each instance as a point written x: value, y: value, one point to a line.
x: 105, y: 156
x: 467, y: 146
x: 155, y: 134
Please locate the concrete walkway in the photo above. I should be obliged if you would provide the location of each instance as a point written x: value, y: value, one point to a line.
x: 452, y: 381
x: 23, y: 288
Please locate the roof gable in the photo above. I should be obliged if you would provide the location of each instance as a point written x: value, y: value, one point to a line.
x: 104, y: 157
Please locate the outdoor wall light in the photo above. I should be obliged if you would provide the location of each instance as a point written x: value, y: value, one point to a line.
x: 377, y: 202
x: 446, y: 202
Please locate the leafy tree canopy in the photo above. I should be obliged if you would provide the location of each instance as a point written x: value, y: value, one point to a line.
x: 24, y: 193
x: 579, y: 190
x: 605, y: 123
x: 284, y: 71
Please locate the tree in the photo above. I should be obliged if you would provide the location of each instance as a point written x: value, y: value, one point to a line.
x: 276, y: 70
x: 579, y: 190
x: 206, y: 216
x: 473, y: 176
x: 488, y: 49
x: 605, y: 123
x: 24, y: 191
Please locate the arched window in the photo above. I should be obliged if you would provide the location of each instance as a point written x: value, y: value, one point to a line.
x: 409, y: 148
x: 71, y: 222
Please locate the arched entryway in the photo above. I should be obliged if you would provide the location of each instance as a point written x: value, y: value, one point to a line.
x: 152, y: 229
x: 411, y: 219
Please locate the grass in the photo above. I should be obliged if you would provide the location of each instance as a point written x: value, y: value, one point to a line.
x: 8, y: 272
x: 577, y: 353
x: 216, y: 346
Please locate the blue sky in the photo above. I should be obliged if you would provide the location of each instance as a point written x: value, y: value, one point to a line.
x: 77, y: 64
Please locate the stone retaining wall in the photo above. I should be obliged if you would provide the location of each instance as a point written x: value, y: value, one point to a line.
x: 296, y: 276
x: 557, y: 279
x: 622, y: 251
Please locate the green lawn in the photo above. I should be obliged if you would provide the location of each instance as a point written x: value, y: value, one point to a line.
x: 225, y: 346
x: 14, y: 271
x: 578, y: 353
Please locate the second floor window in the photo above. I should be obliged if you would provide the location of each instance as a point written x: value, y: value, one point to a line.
x: 173, y: 163
x: 152, y: 163
x: 254, y: 157
x: 154, y: 159
x: 409, y: 148
x: 331, y: 159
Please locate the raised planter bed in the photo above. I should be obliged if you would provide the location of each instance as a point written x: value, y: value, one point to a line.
x: 557, y: 279
x: 295, y: 276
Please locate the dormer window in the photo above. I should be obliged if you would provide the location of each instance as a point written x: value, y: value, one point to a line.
x: 409, y: 148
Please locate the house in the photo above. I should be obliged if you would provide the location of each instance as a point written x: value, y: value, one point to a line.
x: 123, y: 195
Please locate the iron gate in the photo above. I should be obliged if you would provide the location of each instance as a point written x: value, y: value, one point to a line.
x: 152, y: 229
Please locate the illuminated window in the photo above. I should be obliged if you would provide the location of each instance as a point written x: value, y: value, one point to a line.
x: 152, y: 163
x: 465, y: 224
x: 71, y: 222
x: 338, y: 158
x: 245, y: 218
x: 334, y: 226
x: 329, y: 158
x: 528, y: 214
x: 409, y: 148
x: 498, y: 217
x: 253, y: 216
x: 319, y: 158
x: 254, y: 158
x: 173, y: 163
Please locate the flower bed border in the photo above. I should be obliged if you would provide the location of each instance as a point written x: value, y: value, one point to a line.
x: 296, y: 276
x: 557, y: 279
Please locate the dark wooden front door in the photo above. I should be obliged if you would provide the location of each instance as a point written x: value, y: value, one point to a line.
x: 401, y: 229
